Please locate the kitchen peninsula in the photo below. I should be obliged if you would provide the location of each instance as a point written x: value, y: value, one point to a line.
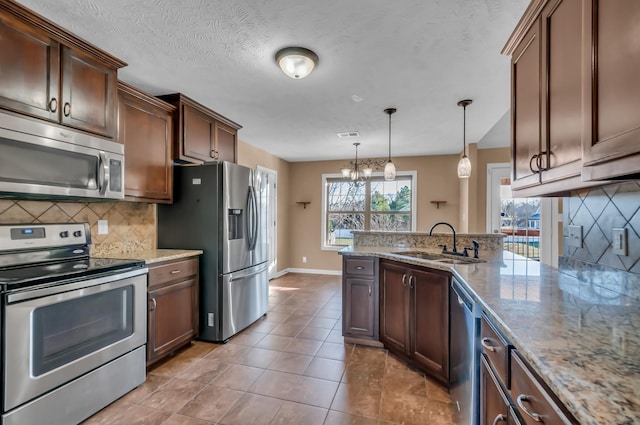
x: 576, y: 329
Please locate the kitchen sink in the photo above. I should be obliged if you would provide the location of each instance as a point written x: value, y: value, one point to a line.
x: 440, y: 258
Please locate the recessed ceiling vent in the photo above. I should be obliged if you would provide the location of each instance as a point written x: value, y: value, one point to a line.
x: 348, y: 134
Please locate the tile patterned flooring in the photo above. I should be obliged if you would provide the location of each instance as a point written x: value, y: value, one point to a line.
x: 291, y: 367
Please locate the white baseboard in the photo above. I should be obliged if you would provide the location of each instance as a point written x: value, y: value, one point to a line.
x: 280, y: 274
x: 309, y: 271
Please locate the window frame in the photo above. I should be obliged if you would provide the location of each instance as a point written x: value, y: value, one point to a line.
x: 367, y: 212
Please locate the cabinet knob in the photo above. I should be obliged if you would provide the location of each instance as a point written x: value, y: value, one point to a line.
x: 499, y: 418
x: 359, y: 268
x: 485, y: 344
x: 66, y: 110
x: 53, y: 104
x: 523, y: 399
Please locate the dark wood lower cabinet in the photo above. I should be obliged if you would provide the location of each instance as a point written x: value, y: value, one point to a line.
x: 494, y: 405
x: 173, y: 307
x: 414, y: 316
x: 360, y: 295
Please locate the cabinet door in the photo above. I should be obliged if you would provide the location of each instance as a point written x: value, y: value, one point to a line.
x: 198, y: 134
x: 147, y: 134
x: 30, y: 70
x: 494, y: 407
x: 562, y: 105
x: 89, y: 94
x: 225, y: 138
x: 611, y: 67
x: 172, y: 317
x: 394, y: 307
x: 359, y: 307
x: 525, y: 109
x: 429, y: 322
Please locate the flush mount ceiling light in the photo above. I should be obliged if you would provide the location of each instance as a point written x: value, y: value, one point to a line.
x: 390, y: 168
x: 464, y: 165
x: 296, y: 62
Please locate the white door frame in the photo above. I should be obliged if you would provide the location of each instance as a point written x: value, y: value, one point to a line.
x: 492, y: 169
x: 273, y: 214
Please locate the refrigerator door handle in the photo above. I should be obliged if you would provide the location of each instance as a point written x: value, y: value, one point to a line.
x: 250, y: 218
x: 256, y: 218
x: 246, y: 274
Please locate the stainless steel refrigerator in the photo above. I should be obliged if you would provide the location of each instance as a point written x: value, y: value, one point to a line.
x: 222, y: 209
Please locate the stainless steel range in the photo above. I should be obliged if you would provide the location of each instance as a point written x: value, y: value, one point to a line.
x: 73, y: 327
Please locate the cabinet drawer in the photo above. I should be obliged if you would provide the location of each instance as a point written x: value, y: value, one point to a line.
x: 534, y: 403
x: 168, y: 272
x: 364, y: 266
x: 496, y: 349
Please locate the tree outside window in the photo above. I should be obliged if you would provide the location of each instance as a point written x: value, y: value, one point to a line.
x: 374, y: 204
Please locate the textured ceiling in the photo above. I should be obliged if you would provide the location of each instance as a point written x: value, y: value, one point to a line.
x: 420, y: 56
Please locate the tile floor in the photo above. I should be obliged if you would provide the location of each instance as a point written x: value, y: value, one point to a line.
x: 291, y: 367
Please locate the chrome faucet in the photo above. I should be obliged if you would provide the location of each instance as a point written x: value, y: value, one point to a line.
x: 444, y: 247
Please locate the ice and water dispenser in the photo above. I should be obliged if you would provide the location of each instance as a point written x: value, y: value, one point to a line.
x: 236, y: 220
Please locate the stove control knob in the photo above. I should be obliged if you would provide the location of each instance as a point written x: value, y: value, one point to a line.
x: 64, y: 234
x: 77, y: 233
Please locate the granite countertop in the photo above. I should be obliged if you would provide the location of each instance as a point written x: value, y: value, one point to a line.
x: 154, y: 255
x: 582, y: 338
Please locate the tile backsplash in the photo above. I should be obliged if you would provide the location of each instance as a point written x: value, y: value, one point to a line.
x: 598, y: 211
x: 132, y: 225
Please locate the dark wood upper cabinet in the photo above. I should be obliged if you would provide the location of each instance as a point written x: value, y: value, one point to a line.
x: 575, y: 95
x: 145, y: 127
x: 611, y: 64
x: 49, y: 73
x: 414, y: 316
x: 201, y: 134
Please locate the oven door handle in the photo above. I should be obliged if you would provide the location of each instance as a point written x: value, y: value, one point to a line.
x: 61, y: 288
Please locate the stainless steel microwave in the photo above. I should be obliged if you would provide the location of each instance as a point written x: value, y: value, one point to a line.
x: 40, y: 160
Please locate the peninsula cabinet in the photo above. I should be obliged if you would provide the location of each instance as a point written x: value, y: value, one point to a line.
x: 50, y: 74
x: 145, y: 127
x: 611, y: 64
x: 360, y: 316
x: 414, y: 316
x: 201, y: 134
x: 173, y: 307
x: 494, y: 405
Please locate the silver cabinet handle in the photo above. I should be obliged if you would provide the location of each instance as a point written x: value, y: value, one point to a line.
x: 404, y: 277
x: 359, y: 268
x: 521, y: 400
x: 369, y: 290
x: 486, y: 345
x: 53, y: 104
x: 500, y: 418
x: 154, y: 304
x: 66, y: 110
x: 174, y: 271
x: 412, y: 281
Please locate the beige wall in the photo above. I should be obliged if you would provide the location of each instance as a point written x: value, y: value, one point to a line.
x: 436, y: 178
x: 252, y: 156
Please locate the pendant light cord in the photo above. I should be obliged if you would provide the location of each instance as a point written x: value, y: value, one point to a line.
x: 464, y: 131
x: 389, y: 137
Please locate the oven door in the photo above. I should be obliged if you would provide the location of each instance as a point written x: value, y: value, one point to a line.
x: 56, y: 334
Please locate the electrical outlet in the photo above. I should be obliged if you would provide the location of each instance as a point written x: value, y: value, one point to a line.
x: 575, y: 236
x: 619, y: 241
x: 304, y: 259
x: 103, y: 227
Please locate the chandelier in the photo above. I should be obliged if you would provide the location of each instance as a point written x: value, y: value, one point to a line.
x: 361, y: 169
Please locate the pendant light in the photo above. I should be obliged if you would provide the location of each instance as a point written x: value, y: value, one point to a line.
x: 464, y: 165
x: 390, y: 168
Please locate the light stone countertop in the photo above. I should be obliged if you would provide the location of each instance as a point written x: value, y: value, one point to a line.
x: 155, y: 255
x: 581, y: 338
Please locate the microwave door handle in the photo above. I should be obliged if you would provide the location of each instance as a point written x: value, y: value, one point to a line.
x: 103, y: 173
